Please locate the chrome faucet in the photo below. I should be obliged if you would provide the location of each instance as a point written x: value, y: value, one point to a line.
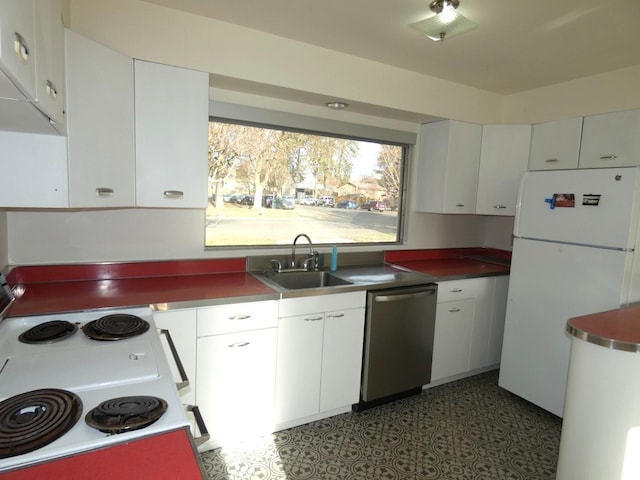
x: 311, y: 262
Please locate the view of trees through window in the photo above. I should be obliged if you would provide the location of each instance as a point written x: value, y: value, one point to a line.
x: 266, y: 185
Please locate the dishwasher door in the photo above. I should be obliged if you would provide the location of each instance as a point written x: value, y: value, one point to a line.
x: 398, y: 340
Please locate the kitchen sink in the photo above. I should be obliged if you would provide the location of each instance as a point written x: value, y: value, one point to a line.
x: 302, y: 280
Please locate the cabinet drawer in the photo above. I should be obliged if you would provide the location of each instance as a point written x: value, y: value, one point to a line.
x: 237, y: 317
x: 457, y: 290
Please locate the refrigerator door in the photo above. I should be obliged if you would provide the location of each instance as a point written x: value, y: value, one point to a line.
x: 596, y: 207
x: 549, y: 284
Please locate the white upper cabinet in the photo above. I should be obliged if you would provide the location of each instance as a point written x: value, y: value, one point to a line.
x: 100, y: 125
x: 555, y: 145
x: 17, y: 49
x: 611, y: 140
x: 448, y: 167
x: 171, y: 129
x: 34, y: 170
x: 504, y: 156
x: 50, y: 71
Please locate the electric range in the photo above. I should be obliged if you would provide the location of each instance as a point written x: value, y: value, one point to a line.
x: 82, y: 376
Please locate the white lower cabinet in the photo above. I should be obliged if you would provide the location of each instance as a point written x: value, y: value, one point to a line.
x: 319, y: 356
x: 236, y: 367
x: 469, y: 326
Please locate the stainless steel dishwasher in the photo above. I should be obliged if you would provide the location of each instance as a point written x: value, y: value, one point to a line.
x: 398, y: 343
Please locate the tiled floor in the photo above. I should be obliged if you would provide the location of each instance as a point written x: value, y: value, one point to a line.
x: 467, y: 430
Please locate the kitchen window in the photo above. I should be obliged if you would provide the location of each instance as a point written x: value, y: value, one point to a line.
x: 268, y: 183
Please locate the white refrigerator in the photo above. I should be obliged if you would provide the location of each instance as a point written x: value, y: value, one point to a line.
x: 573, y: 254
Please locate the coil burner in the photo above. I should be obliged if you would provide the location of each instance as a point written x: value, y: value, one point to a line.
x: 115, y: 327
x: 31, y: 420
x: 124, y: 414
x: 48, y: 332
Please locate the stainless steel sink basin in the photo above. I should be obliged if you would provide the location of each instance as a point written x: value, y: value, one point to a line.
x: 302, y: 280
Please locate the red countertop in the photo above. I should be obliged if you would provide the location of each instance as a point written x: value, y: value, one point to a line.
x: 64, y: 288
x: 617, y: 329
x: 453, y: 262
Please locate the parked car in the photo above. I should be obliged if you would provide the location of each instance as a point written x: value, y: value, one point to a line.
x: 247, y: 200
x: 308, y: 201
x: 326, y: 201
x: 284, y: 203
x: 348, y: 204
x: 375, y: 205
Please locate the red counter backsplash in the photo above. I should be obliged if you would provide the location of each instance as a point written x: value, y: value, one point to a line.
x: 395, y: 256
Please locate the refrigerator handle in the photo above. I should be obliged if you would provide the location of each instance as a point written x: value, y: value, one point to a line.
x: 516, y: 223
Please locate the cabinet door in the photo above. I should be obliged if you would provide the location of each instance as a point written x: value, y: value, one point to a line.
x: 448, y: 167
x: 498, y: 316
x: 503, y: 159
x: 341, y: 358
x: 611, y: 140
x: 50, y: 87
x: 555, y: 145
x: 17, y: 48
x: 34, y: 170
x: 299, y: 366
x: 100, y: 125
x: 452, y: 338
x: 182, y: 328
x: 171, y: 125
x: 235, y: 384
x: 481, y: 325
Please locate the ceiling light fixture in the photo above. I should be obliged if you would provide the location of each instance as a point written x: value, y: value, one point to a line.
x: 446, y: 22
x: 337, y: 105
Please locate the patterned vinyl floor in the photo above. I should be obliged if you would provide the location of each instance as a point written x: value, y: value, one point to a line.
x: 466, y: 430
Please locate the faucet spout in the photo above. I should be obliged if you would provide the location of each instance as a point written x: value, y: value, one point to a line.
x: 293, y: 248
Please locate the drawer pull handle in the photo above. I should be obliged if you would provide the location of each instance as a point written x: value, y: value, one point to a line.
x: 313, y: 319
x: 239, y: 344
x: 551, y: 160
x: 608, y: 157
x: 173, y: 194
x: 454, y: 309
x: 21, y: 47
x: 456, y: 290
x: 499, y: 206
x: 239, y: 317
x: 336, y: 315
x: 459, y: 204
x: 104, y: 192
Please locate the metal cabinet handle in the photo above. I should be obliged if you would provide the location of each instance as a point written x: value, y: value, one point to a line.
x: 499, y: 206
x: 335, y: 315
x: 455, y: 290
x: 21, y: 47
x: 551, y: 160
x: 173, y: 194
x: 202, y: 428
x: 454, y: 309
x: 239, y: 344
x: 52, y: 91
x: 459, y: 204
x: 313, y: 319
x: 608, y: 157
x: 239, y: 316
x: 184, y: 383
x: 104, y: 192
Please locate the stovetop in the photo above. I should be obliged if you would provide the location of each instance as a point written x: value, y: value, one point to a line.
x: 95, y: 371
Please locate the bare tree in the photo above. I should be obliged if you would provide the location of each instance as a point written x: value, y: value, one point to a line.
x: 390, y: 169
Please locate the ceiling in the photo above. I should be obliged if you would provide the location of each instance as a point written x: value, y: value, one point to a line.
x: 519, y: 45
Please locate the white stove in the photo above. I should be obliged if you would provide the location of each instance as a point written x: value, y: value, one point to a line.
x: 93, y: 370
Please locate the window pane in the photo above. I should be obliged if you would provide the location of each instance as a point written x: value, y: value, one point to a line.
x: 266, y: 185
